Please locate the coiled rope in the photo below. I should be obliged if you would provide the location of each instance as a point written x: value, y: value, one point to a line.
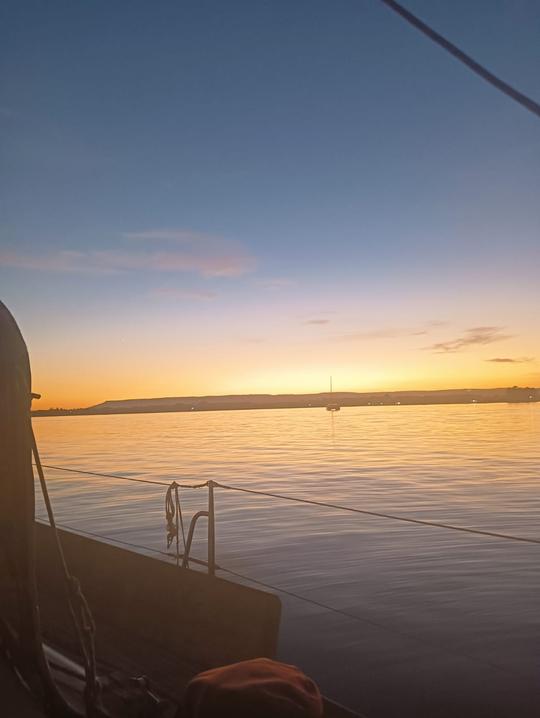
x: 174, y: 519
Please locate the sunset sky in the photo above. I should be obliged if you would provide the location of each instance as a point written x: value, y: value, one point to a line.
x: 213, y: 197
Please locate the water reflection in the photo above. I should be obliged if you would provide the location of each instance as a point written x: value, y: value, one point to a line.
x: 474, y: 599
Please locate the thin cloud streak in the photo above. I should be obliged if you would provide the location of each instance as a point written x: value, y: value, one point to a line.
x: 61, y: 261
x: 475, y: 336
x: 209, y: 262
x: 510, y: 360
x: 395, y: 332
x: 317, y: 321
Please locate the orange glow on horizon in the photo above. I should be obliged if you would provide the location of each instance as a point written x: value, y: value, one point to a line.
x: 270, y: 348
x: 66, y: 392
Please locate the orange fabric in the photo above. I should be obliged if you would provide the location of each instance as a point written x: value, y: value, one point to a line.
x: 259, y: 688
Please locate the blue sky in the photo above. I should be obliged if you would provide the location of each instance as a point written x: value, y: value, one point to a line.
x: 244, y: 167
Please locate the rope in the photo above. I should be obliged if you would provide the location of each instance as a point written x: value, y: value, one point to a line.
x: 483, y: 72
x: 81, y: 615
x: 179, y: 513
x: 125, y: 478
x: 378, y: 514
x: 172, y: 529
x: 174, y: 519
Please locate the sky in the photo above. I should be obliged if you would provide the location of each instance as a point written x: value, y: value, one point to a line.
x: 210, y: 197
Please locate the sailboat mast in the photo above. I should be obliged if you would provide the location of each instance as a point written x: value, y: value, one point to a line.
x: 331, y: 405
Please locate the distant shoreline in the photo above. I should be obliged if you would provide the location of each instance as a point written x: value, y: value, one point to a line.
x: 192, y: 404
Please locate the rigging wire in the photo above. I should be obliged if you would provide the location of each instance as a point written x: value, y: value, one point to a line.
x: 378, y: 514
x: 519, y: 97
x: 125, y: 478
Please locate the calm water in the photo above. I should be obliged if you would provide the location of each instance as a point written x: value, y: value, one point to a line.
x: 441, y: 623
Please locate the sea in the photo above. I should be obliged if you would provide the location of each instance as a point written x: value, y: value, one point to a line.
x: 390, y: 618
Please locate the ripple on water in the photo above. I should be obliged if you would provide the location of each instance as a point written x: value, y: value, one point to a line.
x: 446, y: 622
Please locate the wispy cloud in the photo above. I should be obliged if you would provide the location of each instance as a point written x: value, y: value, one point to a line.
x: 317, y: 321
x: 209, y: 257
x: 391, y: 333
x: 510, y: 360
x: 60, y: 261
x: 395, y: 332
x: 187, y: 294
x: 475, y: 336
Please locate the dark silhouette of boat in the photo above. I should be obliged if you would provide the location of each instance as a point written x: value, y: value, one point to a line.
x: 332, y: 405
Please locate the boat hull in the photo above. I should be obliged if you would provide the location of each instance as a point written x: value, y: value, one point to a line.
x: 152, y: 615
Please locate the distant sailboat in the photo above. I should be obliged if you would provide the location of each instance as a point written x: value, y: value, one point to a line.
x: 332, y: 405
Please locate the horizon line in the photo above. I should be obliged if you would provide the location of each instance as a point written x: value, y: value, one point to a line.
x: 288, y: 394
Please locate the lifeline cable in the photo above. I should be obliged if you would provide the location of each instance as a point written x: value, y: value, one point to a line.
x: 125, y: 478
x: 378, y: 514
x: 339, y: 507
